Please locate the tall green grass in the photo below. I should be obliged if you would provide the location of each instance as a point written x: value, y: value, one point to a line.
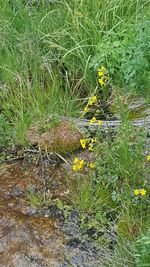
x: 47, y: 52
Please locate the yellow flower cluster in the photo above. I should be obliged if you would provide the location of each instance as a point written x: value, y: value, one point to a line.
x: 83, y: 143
x: 78, y: 164
x: 88, y: 142
x: 92, y: 100
x: 91, y: 144
x: 86, y: 109
x: 92, y: 120
x: 140, y: 192
x: 95, y: 120
x: 148, y: 157
x: 101, y: 76
x: 90, y: 103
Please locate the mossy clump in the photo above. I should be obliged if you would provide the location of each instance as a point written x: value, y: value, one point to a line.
x: 62, y: 137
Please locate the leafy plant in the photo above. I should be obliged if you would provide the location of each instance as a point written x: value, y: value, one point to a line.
x: 126, y: 55
x: 142, y: 250
x: 35, y: 199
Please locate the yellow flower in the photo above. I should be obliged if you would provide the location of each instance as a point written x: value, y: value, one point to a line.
x: 76, y: 160
x: 81, y: 162
x: 92, y: 120
x: 86, y: 109
x: 93, y: 140
x: 136, y: 192
x: 101, y: 82
x: 142, y: 192
x: 75, y: 167
x: 148, y: 157
x: 80, y: 165
x: 100, y: 73
x: 101, y: 68
x: 99, y: 122
x: 83, y: 143
x: 91, y: 147
x: 92, y: 165
x: 92, y: 100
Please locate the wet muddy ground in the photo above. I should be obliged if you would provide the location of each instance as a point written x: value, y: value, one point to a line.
x: 39, y: 237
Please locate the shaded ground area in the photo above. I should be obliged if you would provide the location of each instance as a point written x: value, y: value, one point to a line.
x: 39, y: 237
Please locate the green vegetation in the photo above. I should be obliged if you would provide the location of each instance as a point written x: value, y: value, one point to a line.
x: 36, y: 200
x: 112, y: 191
x: 50, y: 53
x: 142, y: 250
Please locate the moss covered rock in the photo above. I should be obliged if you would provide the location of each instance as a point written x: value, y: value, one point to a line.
x: 63, y: 137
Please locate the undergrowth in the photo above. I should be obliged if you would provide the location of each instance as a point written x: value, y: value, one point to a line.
x: 111, y: 189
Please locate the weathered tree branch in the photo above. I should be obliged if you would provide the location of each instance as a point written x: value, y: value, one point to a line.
x: 139, y: 122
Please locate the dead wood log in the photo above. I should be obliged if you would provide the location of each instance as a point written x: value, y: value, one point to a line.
x: 82, y: 123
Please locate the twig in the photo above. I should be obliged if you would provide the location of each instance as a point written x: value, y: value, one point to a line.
x: 61, y: 157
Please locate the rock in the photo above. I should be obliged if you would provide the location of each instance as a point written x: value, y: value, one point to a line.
x: 63, y: 137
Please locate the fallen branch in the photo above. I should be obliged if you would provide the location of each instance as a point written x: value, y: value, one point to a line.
x: 139, y: 122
